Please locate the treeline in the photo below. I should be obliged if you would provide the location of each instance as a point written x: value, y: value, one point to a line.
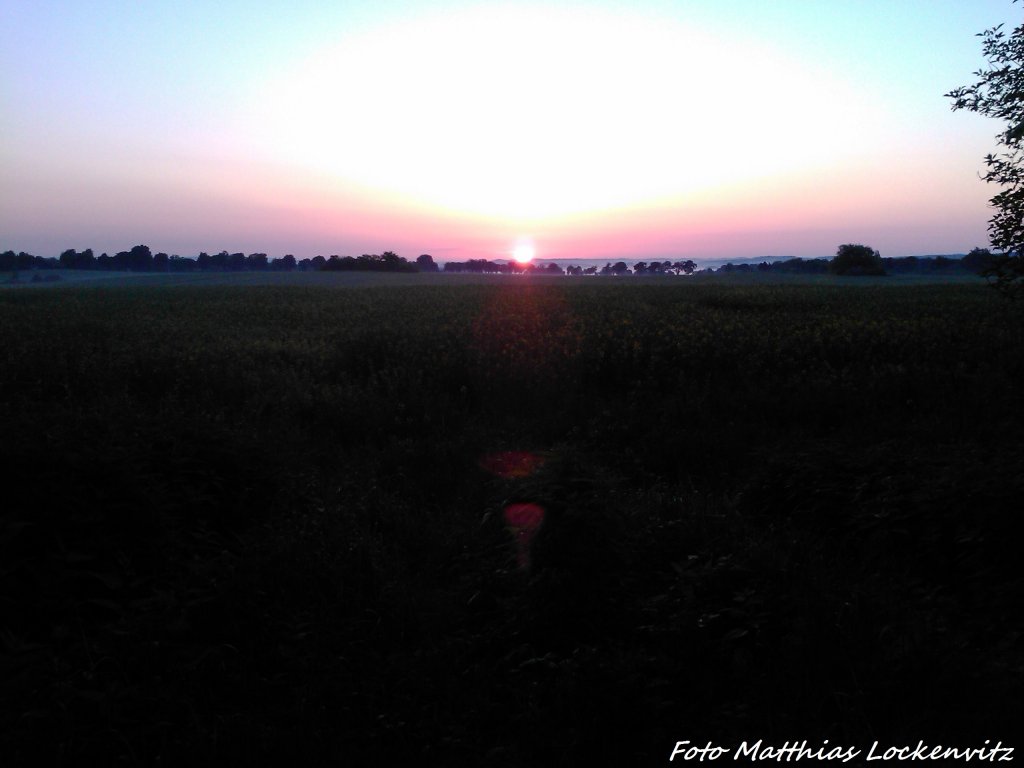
x: 484, y: 266
x: 846, y: 262
x: 481, y: 266
x: 976, y: 262
x: 141, y: 259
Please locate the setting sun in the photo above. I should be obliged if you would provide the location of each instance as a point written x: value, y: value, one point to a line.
x: 523, y: 253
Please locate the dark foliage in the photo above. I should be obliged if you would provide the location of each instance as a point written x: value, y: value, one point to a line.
x: 979, y: 261
x: 425, y: 263
x: 386, y: 262
x: 140, y: 259
x: 855, y: 259
x: 997, y: 94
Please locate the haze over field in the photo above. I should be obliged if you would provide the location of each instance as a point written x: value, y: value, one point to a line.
x: 468, y: 130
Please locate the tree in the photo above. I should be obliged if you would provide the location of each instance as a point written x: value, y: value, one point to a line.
x: 979, y: 261
x: 425, y: 263
x: 182, y: 264
x: 856, y: 259
x: 140, y: 258
x: 999, y: 93
x: 285, y: 264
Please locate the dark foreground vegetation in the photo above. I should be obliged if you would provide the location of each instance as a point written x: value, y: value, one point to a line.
x: 247, y: 526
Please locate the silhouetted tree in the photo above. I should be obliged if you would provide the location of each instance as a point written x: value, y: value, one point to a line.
x: 856, y: 259
x: 999, y: 93
x: 979, y: 261
x: 477, y: 266
x: 161, y: 262
x: 140, y: 258
x: 425, y: 263
x: 801, y: 266
x: 256, y: 261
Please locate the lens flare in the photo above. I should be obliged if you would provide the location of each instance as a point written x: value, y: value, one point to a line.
x: 511, y: 464
x: 523, y: 520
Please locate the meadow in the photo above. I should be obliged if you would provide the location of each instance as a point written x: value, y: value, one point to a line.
x: 265, y: 523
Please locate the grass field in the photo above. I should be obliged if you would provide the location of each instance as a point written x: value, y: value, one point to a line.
x: 356, y: 279
x: 250, y: 524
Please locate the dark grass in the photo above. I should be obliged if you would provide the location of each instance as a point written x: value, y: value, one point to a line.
x: 248, y: 525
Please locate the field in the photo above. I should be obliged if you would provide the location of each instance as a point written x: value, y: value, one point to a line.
x: 267, y: 523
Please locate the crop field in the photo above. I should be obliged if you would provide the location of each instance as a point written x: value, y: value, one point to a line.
x: 506, y: 522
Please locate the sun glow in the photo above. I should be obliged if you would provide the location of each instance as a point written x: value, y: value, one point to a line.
x: 612, y: 110
x: 523, y: 253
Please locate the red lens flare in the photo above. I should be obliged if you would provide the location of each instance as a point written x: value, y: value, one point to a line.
x: 523, y: 520
x: 511, y: 464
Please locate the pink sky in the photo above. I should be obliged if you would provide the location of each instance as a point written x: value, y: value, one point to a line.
x: 592, y: 131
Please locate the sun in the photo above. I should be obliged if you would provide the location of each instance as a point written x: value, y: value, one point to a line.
x: 523, y: 253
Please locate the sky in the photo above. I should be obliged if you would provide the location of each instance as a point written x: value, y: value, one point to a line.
x: 641, y: 129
